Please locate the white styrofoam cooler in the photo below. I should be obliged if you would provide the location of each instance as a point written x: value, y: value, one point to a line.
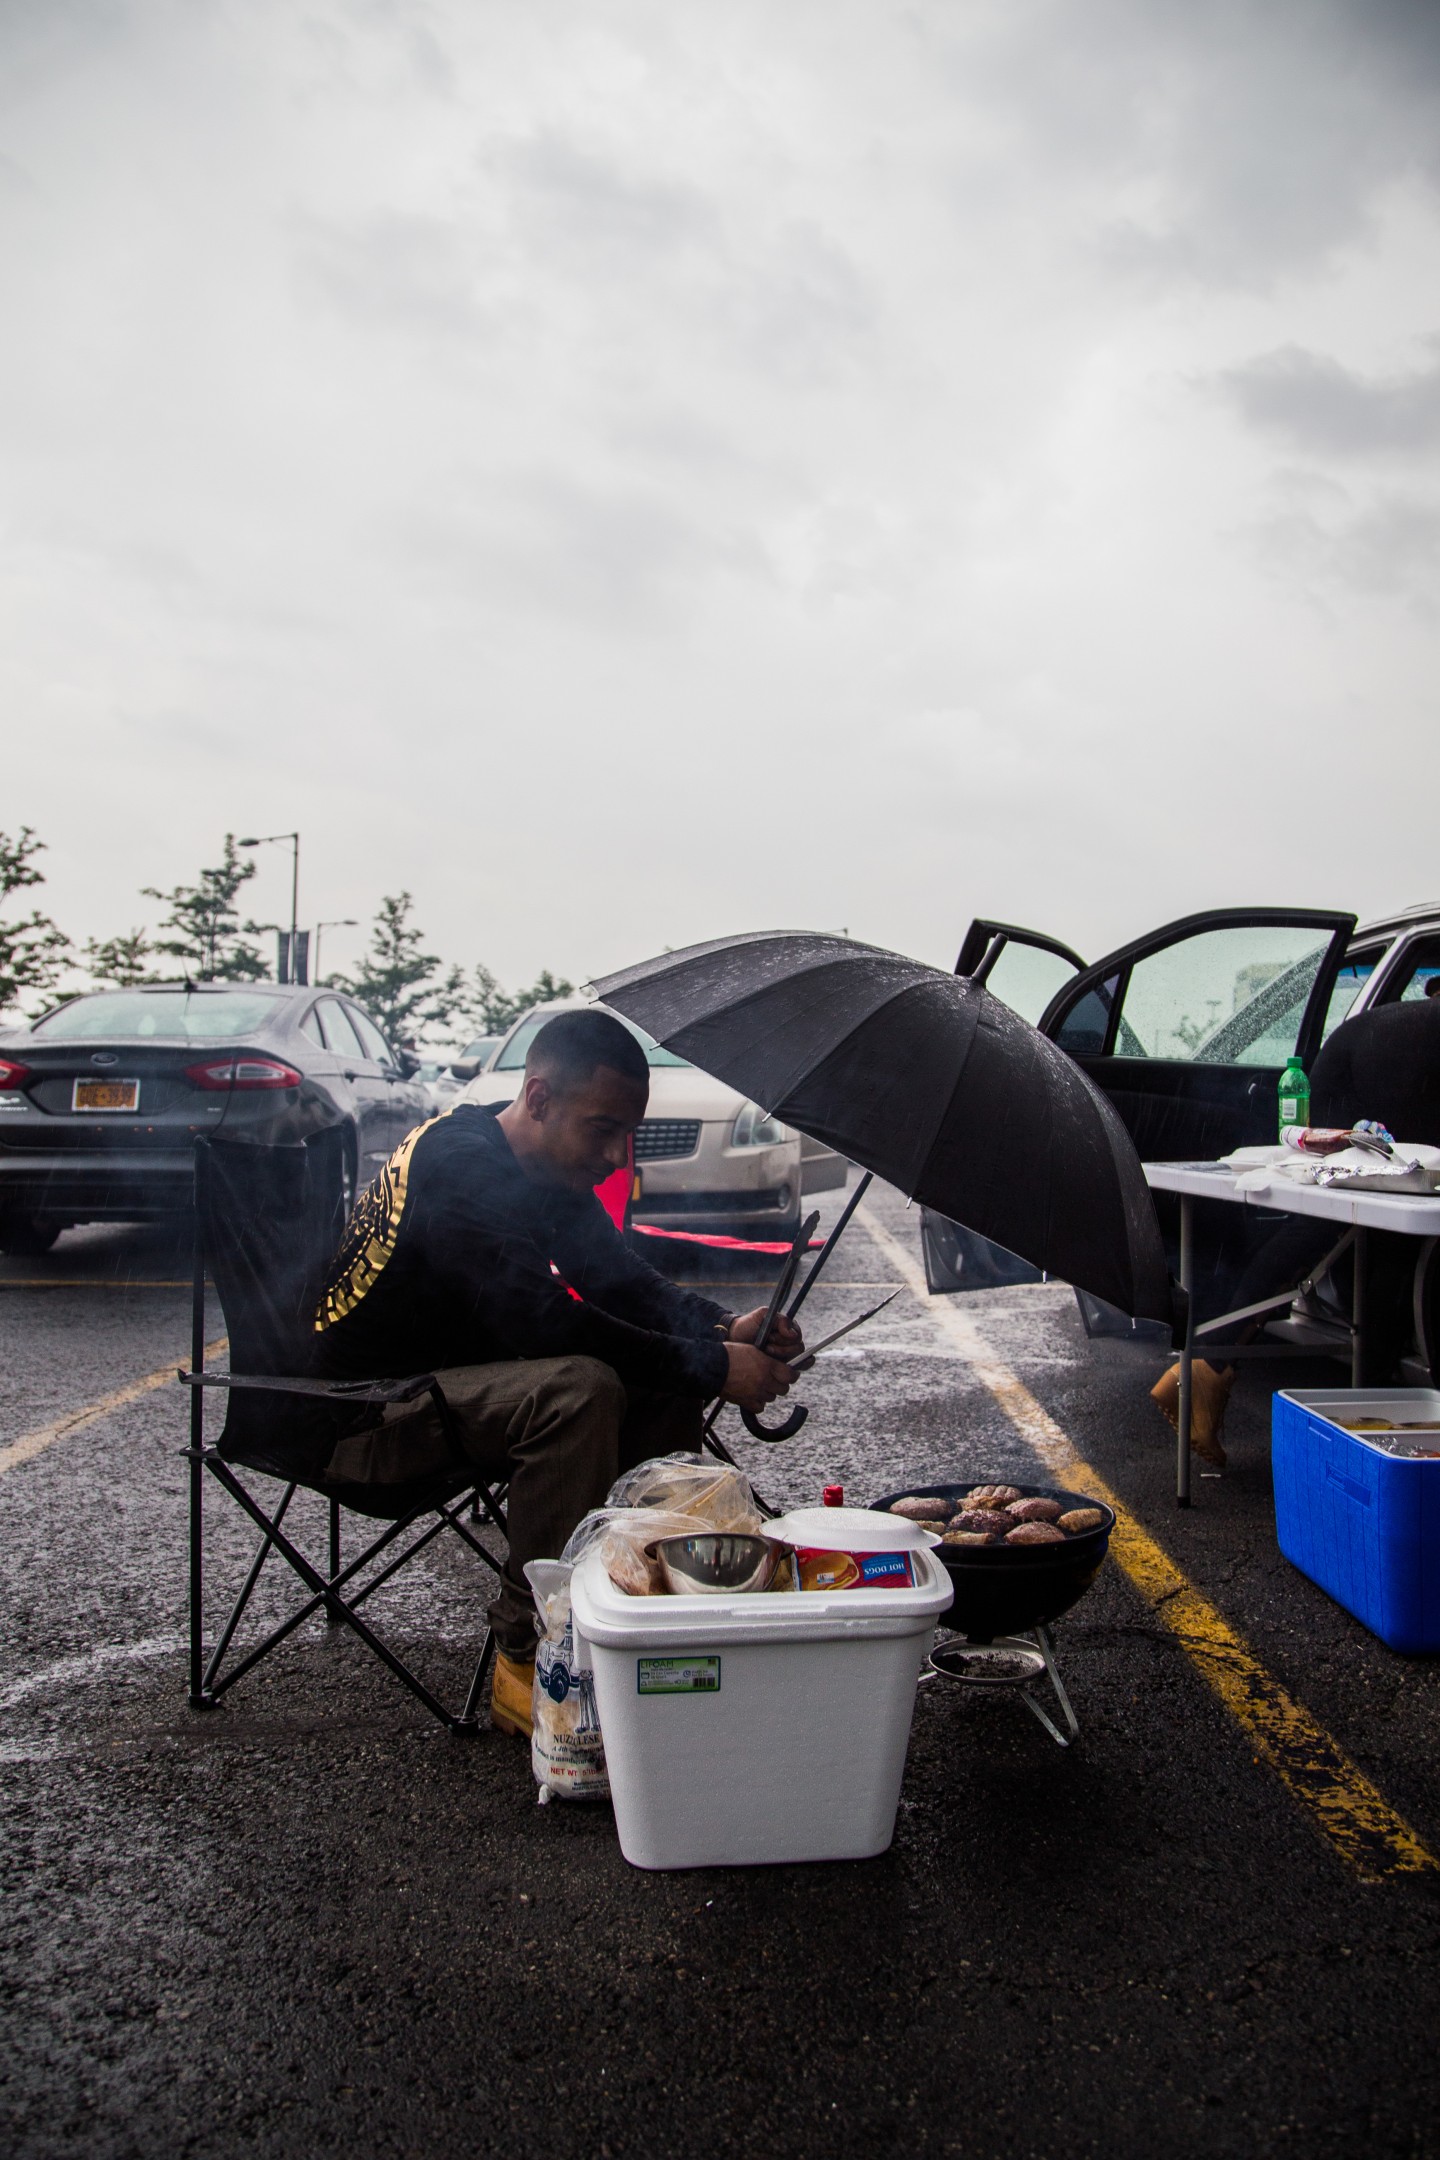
x: 760, y: 1728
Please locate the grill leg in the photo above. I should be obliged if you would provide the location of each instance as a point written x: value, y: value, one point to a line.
x: 1044, y: 1642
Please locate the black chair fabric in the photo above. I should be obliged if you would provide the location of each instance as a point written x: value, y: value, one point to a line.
x: 268, y: 1224
x: 1383, y: 1064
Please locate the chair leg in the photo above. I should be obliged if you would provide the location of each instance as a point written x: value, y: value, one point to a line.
x: 237, y: 1610
x: 468, y: 1720
x: 330, y: 1618
x: 197, y: 1475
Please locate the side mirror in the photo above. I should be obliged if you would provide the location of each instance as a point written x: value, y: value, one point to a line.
x: 408, y: 1063
x: 466, y: 1069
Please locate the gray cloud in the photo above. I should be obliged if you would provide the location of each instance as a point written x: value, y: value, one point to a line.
x: 1318, y: 537
x: 1312, y: 402
x: 404, y: 269
x: 1249, y: 141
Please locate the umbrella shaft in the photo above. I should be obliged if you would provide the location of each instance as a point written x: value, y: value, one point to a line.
x: 830, y: 1243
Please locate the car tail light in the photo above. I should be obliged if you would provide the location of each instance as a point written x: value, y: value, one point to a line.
x: 242, y: 1073
x: 13, y: 1076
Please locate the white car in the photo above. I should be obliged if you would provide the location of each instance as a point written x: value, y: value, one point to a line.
x: 705, y: 1157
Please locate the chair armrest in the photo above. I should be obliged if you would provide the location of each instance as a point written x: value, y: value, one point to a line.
x: 337, y: 1391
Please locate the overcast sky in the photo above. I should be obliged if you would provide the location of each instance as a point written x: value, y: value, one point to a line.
x: 630, y: 472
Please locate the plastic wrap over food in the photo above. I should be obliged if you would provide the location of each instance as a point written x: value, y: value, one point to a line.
x: 567, y: 1754
x: 716, y: 1493
x: 623, y: 1535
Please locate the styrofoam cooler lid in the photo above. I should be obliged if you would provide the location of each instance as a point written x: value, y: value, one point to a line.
x: 851, y: 1529
x: 616, y: 1620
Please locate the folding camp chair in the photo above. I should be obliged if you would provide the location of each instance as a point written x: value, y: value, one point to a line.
x: 266, y: 1223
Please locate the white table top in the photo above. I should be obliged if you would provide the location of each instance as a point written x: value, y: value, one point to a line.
x: 1418, y: 1214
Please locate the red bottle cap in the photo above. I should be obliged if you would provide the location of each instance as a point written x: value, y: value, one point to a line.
x: 833, y: 1496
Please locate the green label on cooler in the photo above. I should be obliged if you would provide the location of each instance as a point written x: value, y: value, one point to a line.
x: 677, y: 1675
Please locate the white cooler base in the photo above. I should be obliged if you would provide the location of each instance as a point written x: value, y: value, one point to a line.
x: 797, y: 1754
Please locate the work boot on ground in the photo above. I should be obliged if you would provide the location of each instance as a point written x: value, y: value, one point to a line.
x: 1209, y: 1394
x: 511, y: 1695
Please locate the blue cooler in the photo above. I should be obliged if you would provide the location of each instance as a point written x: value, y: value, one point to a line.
x: 1359, y: 1512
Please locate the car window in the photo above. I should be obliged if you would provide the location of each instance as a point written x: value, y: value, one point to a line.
x: 512, y: 1057
x: 1235, y: 996
x: 1417, y: 968
x: 1026, y: 978
x: 1354, y: 974
x: 137, y: 1015
x: 374, y: 1042
x: 310, y: 1026
x: 655, y: 1053
x: 339, y: 1035
x: 1086, y: 1025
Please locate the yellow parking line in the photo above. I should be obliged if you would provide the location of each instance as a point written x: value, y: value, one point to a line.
x: 1340, y: 1800
x: 31, y: 1444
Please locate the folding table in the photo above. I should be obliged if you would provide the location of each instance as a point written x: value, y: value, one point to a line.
x: 1417, y: 1215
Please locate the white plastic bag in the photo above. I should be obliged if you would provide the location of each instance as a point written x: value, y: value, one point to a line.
x: 715, y: 1492
x: 623, y: 1535
x: 567, y: 1753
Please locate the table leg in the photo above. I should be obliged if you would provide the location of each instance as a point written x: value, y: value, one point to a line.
x: 1357, y: 1314
x: 1187, y: 1357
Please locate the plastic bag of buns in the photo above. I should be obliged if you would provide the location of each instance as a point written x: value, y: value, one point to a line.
x: 715, y: 1493
x: 623, y: 1535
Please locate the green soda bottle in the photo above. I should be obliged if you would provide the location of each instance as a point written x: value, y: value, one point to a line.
x: 1294, y: 1093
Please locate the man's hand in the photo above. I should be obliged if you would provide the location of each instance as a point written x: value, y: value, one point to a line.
x: 786, y: 1340
x: 755, y: 1378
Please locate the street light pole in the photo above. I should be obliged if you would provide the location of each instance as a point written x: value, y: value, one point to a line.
x: 264, y: 840
x: 336, y: 922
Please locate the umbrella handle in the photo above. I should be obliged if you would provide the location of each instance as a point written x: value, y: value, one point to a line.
x: 784, y: 1431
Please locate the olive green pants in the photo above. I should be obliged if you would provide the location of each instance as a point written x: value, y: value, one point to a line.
x: 557, y: 1431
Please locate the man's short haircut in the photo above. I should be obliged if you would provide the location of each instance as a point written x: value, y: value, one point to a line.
x: 569, y: 1047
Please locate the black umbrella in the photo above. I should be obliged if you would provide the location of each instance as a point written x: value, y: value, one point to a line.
x: 925, y: 1079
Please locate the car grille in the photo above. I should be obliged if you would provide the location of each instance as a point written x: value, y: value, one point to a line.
x: 665, y: 1139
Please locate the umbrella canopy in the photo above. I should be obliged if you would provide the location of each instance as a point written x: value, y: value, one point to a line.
x: 925, y: 1079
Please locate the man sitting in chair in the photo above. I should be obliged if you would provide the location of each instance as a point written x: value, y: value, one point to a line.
x: 460, y: 1259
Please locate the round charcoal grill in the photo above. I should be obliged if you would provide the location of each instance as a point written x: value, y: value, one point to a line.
x: 1007, y: 1596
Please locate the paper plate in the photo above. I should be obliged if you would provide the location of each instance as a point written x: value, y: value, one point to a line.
x: 851, y: 1529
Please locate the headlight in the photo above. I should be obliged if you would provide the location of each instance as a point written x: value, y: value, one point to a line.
x: 756, y: 1128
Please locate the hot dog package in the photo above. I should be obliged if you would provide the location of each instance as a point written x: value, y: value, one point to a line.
x: 821, y: 1569
x: 843, y: 1548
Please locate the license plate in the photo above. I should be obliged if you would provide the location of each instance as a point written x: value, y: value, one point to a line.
x: 106, y: 1095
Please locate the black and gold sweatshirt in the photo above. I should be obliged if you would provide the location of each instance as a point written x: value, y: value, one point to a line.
x: 447, y: 1260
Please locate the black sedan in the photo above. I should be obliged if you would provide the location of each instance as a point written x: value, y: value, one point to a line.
x: 102, y: 1100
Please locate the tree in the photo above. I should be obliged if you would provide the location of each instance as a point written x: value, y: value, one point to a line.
x: 209, y: 937
x: 32, y: 950
x: 489, y: 1010
x: 119, y: 963
x: 395, y: 978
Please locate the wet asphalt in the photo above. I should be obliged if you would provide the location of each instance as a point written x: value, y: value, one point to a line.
x: 312, y: 1921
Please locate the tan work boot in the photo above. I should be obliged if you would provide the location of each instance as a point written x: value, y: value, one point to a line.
x: 512, y: 1695
x: 1209, y: 1393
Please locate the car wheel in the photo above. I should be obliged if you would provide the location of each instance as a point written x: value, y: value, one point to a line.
x: 26, y: 1236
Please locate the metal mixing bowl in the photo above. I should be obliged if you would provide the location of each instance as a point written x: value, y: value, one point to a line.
x: 718, y: 1563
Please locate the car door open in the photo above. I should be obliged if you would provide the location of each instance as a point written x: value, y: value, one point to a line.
x: 1187, y: 1030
